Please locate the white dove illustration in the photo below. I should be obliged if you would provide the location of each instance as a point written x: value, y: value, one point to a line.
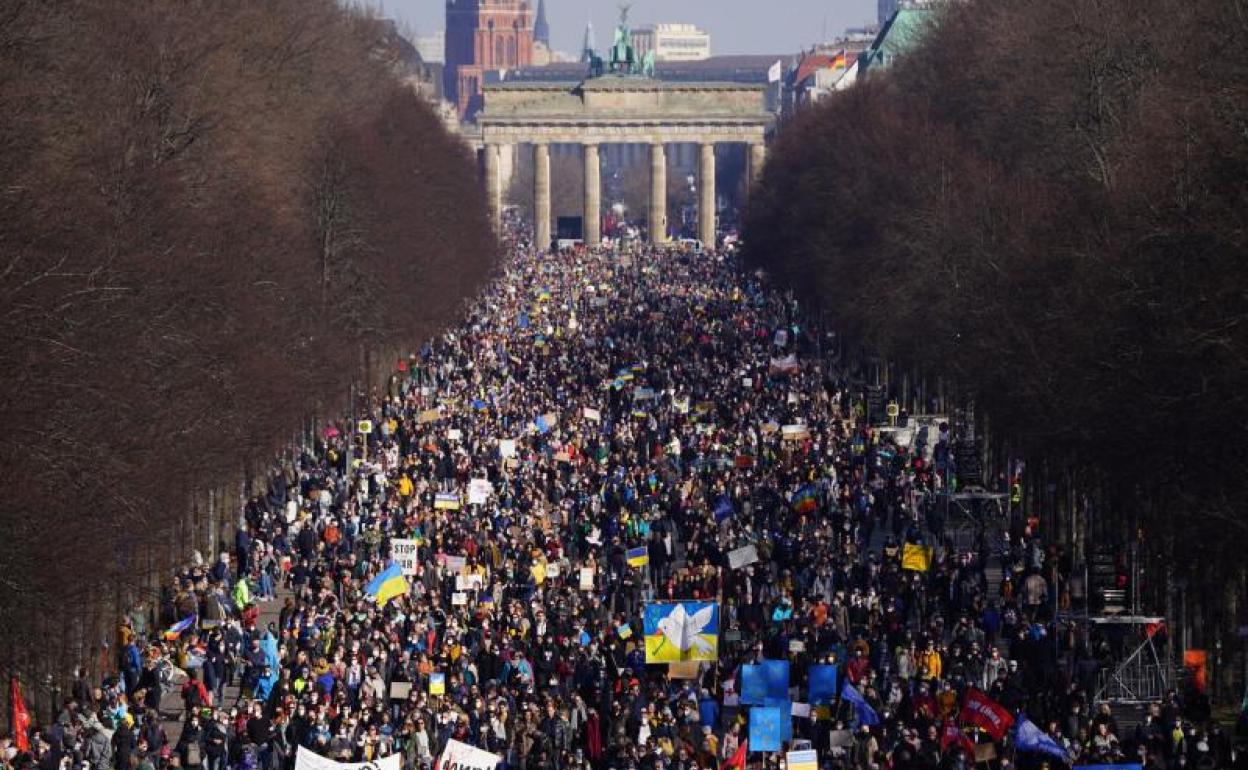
x: 683, y: 629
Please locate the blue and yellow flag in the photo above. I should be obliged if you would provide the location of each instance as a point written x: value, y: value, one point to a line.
x: 387, y: 585
x: 639, y: 556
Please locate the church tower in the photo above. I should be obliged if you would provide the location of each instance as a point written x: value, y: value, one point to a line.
x: 541, y: 30
x: 483, y: 35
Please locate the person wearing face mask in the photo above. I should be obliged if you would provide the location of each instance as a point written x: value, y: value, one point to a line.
x: 190, y: 747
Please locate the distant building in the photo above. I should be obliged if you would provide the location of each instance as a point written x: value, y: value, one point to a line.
x: 826, y: 68
x: 483, y: 36
x: 541, y: 30
x: 672, y: 42
x: 898, y: 36
x: 884, y: 10
x: 432, y: 47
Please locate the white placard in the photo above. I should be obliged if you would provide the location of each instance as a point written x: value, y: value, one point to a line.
x: 592, y: 414
x: 455, y: 564
x: 800, y: 710
x: 507, y: 447
x: 479, y: 491
x: 454, y: 434
x: 740, y: 557
x: 587, y: 579
x: 460, y: 756
x: 404, y: 552
x: 468, y: 582
x: 459, y: 599
x: 306, y: 759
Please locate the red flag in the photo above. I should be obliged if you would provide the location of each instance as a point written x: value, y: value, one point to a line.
x: 951, y: 735
x: 985, y: 713
x: 21, y: 717
x: 738, y: 757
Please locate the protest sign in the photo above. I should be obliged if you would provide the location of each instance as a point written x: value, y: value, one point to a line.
x: 306, y: 759
x: 461, y: 756
x: 742, y: 556
x: 404, y: 552
x: 479, y: 491
x: 681, y: 631
x: 766, y: 683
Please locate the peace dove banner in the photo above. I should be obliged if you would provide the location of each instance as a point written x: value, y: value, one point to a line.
x: 677, y: 631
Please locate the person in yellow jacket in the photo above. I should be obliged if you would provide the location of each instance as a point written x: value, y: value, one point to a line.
x: 930, y: 665
x: 242, y: 593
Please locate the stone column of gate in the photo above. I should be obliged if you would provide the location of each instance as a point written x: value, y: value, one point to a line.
x: 706, y: 196
x: 593, y: 200
x: 658, y: 193
x: 541, y: 196
x: 493, y: 192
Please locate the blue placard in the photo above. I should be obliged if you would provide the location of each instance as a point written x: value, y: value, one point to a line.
x: 823, y: 688
x: 765, y: 684
x: 770, y: 726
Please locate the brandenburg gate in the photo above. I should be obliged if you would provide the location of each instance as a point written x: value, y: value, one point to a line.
x: 630, y: 107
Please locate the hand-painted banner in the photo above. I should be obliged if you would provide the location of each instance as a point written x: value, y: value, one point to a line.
x: 676, y: 631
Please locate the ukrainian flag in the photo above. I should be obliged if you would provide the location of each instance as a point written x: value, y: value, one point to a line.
x: 387, y: 585
x: 639, y: 556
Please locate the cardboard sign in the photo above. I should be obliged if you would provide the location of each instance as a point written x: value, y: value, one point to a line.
x: 429, y: 415
x: 459, y: 599
x: 587, y: 579
x: 455, y: 564
x: 684, y: 669
x: 743, y: 556
x: 400, y: 690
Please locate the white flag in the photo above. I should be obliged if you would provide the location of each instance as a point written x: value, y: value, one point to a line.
x: 773, y: 74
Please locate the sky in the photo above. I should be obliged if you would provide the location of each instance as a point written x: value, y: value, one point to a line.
x: 736, y: 26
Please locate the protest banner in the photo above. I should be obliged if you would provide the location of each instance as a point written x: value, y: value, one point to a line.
x: 306, y: 759
x: 461, y: 756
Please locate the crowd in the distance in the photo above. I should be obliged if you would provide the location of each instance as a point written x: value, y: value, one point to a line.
x: 611, y: 400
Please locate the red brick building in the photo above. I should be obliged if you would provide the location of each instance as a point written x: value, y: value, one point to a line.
x: 483, y: 35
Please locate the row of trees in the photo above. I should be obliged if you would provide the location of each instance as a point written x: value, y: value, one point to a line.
x: 211, y: 214
x: 1048, y: 202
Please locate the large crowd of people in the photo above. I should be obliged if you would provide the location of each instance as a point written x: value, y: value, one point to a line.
x: 590, y: 404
